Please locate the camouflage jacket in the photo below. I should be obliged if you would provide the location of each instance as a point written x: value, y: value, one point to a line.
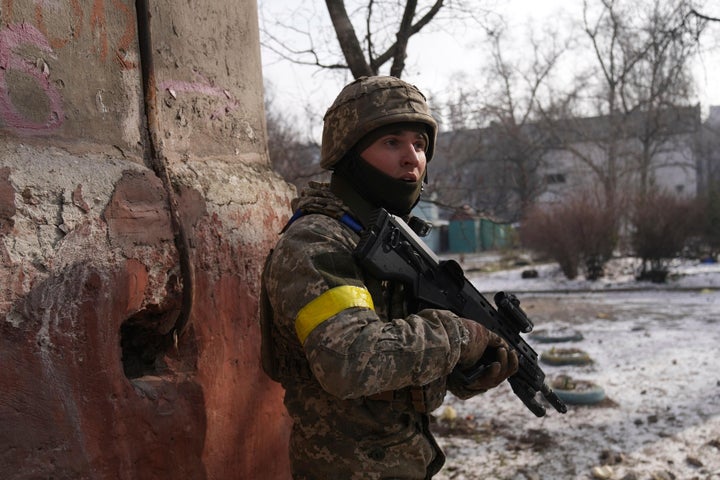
x: 360, y: 373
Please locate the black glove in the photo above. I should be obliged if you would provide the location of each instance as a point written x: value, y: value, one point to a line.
x: 479, y: 339
x: 500, y: 363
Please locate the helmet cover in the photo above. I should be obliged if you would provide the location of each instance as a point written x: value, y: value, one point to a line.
x: 367, y: 104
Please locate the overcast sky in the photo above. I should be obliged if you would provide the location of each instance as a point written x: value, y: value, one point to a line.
x: 439, y: 58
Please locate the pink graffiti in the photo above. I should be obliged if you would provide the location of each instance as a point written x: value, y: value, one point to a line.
x: 11, y: 38
x: 203, y: 88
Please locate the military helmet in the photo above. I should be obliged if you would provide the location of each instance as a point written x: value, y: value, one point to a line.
x: 369, y: 103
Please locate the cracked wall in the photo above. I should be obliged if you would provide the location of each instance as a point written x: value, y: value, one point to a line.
x: 98, y: 381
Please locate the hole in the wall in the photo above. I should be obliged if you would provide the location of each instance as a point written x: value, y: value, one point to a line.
x: 144, y: 344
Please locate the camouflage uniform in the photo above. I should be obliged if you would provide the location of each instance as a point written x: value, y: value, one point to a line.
x: 350, y: 385
x: 361, y: 373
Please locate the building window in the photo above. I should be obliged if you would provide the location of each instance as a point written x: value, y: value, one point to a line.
x: 551, y: 178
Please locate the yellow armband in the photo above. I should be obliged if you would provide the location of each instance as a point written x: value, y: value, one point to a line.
x: 329, y: 304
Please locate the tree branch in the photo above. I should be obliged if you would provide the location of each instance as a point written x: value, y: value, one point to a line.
x: 390, y: 52
x: 348, y: 39
x: 402, y: 36
x: 704, y: 17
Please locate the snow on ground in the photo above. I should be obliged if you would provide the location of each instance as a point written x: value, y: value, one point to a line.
x: 656, y: 353
x: 619, y: 275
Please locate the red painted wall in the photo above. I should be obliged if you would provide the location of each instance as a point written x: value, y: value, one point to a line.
x: 93, y: 385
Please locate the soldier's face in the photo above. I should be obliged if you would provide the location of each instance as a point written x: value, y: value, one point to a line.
x: 399, y: 154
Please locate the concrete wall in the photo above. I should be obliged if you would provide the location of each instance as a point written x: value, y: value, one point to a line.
x: 135, y: 194
x: 673, y: 168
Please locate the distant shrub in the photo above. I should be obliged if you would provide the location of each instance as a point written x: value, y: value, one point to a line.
x: 662, y: 224
x: 577, y: 234
x: 543, y: 231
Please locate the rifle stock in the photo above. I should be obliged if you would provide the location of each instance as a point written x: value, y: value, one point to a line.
x: 390, y: 250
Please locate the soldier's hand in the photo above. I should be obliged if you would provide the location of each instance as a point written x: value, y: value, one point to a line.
x: 501, y: 362
x: 480, y: 338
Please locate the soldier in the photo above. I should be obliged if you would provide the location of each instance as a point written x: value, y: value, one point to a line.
x: 361, y: 373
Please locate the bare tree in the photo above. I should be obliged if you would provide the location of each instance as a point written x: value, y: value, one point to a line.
x: 370, y: 34
x: 292, y: 153
x: 494, y: 152
x: 641, y: 53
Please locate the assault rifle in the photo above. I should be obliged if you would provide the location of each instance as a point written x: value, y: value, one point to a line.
x: 390, y: 250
